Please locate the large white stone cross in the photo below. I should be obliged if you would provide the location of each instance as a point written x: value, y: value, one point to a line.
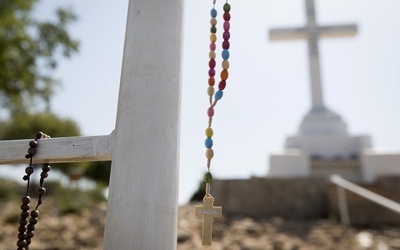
x: 312, y: 32
x: 143, y: 195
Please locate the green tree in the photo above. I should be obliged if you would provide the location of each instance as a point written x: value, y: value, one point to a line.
x: 28, y: 53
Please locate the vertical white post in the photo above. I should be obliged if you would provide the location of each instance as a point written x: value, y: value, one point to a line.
x: 143, y: 196
x: 343, y: 207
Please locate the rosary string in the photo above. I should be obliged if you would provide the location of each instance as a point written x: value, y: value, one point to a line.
x: 26, y: 231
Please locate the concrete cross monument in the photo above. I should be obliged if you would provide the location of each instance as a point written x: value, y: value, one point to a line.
x: 322, y: 133
x: 311, y: 33
x: 143, y: 194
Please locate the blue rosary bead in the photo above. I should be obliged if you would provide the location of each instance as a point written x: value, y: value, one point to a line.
x: 225, y: 54
x: 213, y: 12
x: 208, y: 142
x: 218, y: 95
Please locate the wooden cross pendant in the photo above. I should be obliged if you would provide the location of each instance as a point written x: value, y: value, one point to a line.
x: 208, y: 211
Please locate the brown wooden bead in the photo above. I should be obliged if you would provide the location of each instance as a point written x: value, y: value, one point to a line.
x: 46, y: 167
x: 21, y: 243
x: 23, y: 222
x: 39, y: 135
x: 31, y: 227
x: 21, y: 236
x: 21, y: 229
x: 32, y: 221
x: 33, y: 144
x: 30, y: 235
x: 29, y: 170
x: 44, y: 175
x: 26, y: 199
x: 41, y: 191
x: 25, y: 207
x: 31, y: 151
x: 34, y: 213
x: 24, y: 214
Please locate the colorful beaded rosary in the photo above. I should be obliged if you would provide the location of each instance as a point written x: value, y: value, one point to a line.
x: 26, y: 231
x: 208, y: 210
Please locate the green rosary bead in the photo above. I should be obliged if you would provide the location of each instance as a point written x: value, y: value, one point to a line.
x: 208, y: 177
x: 227, y: 7
x: 213, y: 29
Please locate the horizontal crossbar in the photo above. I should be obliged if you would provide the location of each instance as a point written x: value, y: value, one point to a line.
x: 57, y: 150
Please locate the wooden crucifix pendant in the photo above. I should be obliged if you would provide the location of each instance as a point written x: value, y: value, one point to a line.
x: 208, y: 211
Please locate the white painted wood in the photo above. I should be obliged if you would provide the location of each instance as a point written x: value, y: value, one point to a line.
x: 343, y: 207
x: 54, y: 150
x: 143, y: 196
x: 378, y: 199
x: 312, y: 32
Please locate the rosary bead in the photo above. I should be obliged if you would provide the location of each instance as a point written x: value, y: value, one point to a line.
x: 29, y: 170
x: 213, y: 37
x: 218, y: 95
x: 213, y: 46
x: 34, y: 213
x: 225, y: 64
x: 212, y: 55
x: 23, y: 222
x: 222, y: 85
x: 209, y: 132
x: 213, y: 29
x: 44, y: 175
x: 41, y: 191
x: 28, y: 156
x: 208, y: 177
x: 25, y: 207
x: 33, y: 144
x: 208, y: 142
x: 31, y: 227
x: 21, y: 229
x: 227, y: 7
x: 225, y: 54
x: 211, y: 81
x: 227, y: 25
x: 213, y: 21
x: 25, y: 178
x: 226, y: 44
x: 39, y: 135
x: 24, y: 214
x: 21, y: 236
x: 26, y: 199
x: 209, y: 153
x: 21, y: 243
x: 31, y: 151
x: 210, y: 91
x: 32, y: 221
x: 212, y: 63
x: 224, y: 74
x: 30, y: 234
x: 227, y: 16
x: 210, y: 112
x: 226, y: 35
x: 46, y: 167
x: 213, y: 12
x: 211, y: 72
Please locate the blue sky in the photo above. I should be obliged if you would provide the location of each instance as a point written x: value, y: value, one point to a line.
x: 268, y: 89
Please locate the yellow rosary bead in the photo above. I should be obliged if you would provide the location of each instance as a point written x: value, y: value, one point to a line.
x: 209, y: 132
x: 225, y: 64
x: 213, y: 37
x: 209, y: 153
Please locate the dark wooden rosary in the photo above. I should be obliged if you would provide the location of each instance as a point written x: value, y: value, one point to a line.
x: 27, y: 225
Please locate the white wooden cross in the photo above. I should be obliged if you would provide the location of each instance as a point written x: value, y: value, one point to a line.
x: 312, y: 32
x: 143, y: 195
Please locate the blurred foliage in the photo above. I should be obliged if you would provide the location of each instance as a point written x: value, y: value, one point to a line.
x: 29, y: 50
x: 200, y: 192
x: 25, y: 126
x: 8, y: 190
